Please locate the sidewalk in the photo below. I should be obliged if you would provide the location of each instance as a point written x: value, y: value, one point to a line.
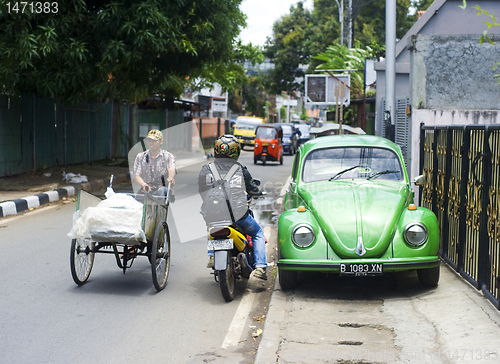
x: 30, y: 190
x: 327, y: 320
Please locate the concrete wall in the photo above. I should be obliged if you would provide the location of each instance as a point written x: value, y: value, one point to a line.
x: 444, y: 118
x: 454, y: 72
x: 442, y: 17
x: 452, y: 82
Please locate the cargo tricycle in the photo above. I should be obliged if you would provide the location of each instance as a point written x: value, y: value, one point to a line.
x: 126, y: 226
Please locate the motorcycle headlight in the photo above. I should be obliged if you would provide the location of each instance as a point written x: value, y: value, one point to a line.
x: 303, y: 236
x: 415, y: 234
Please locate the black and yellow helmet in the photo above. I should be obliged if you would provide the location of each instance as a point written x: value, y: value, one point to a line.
x: 227, y: 146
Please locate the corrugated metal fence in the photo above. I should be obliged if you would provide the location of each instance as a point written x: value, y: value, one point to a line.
x: 462, y: 169
x: 37, y: 133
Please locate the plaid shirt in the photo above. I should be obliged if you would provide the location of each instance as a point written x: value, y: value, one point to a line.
x: 151, y: 169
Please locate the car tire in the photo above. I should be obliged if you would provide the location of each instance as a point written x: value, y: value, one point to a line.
x: 287, y: 279
x: 428, y: 277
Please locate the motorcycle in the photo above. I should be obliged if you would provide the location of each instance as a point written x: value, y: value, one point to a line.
x: 233, y: 257
x: 233, y: 254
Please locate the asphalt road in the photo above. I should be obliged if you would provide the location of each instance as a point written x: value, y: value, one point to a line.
x: 114, y: 318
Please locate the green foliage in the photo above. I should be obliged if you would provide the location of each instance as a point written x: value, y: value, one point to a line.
x: 98, y: 49
x: 303, y: 115
x: 301, y: 34
x: 340, y: 57
x: 287, y: 49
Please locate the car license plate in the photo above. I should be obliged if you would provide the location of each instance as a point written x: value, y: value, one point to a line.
x: 222, y: 244
x: 361, y: 269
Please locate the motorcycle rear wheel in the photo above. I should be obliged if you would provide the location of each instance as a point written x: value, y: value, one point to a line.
x: 227, y: 280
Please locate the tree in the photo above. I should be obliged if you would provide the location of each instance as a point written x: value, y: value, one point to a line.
x: 98, y: 49
x: 300, y: 35
x: 341, y: 58
x: 287, y: 51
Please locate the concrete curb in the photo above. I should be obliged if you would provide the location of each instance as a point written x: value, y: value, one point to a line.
x: 269, y: 346
x: 27, y: 203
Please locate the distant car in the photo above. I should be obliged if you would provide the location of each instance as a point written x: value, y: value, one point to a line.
x: 290, y: 138
x: 304, y: 132
x: 349, y: 210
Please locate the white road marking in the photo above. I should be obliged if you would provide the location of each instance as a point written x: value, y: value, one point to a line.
x: 240, y: 317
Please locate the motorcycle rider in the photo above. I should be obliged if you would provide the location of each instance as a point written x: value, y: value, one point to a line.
x: 227, y: 151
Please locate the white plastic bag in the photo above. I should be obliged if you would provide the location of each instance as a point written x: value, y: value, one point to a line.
x: 116, y: 219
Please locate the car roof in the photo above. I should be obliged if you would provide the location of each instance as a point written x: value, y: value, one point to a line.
x: 350, y: 140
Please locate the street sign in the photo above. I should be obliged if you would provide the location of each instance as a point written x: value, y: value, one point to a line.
x: 324, y: 89
x: 219, y: 105
x: 289, y: 102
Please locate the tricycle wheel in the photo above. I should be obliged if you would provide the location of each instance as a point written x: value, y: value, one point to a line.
x: 428, y: 277
x: 263, y: 160
x: 287, y: 278
x: 281, y: 159
x: 254, y: 160
x: 227, y: 280
x: 81, y: 260
x: 160, y: 256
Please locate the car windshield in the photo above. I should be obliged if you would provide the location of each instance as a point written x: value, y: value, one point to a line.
x: 287, y: 129
x: 247, y: 124
x: 352, y: 162
x: 266, y: 133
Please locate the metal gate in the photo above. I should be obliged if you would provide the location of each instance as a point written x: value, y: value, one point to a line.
x: 402, y: 130
x: 462, y: 169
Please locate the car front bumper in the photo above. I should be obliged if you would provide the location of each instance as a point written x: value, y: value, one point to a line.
x: 389, y: 265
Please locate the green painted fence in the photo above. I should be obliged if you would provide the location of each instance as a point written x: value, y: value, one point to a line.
x: 38, y: 133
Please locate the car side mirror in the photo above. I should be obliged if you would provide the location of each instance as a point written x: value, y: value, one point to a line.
x: 419, y: 180
x: 293, y: 186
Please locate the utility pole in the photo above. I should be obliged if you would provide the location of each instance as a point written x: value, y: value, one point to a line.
x: 349, y: 34
x: 341, y: 19
x: 390, y: 66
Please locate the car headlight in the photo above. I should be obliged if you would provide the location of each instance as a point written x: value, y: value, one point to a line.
x: 303, y: 236
x: 415, y: 234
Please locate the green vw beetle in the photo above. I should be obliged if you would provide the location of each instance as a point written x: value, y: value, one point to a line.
x: 350, y: 210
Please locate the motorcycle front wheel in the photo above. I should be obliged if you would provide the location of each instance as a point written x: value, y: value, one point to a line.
x: 227, y: 280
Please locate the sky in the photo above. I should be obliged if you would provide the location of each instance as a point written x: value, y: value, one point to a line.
x: 261, y: 14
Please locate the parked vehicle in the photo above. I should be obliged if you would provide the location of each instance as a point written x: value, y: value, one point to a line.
x: 349, y: 210
x: 268, y: 144
x: 290, y: 138
x: 304, y: 133
x: 245, y: 127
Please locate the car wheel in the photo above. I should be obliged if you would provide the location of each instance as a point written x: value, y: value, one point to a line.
x: 287, y: 278
x: 428, y: 277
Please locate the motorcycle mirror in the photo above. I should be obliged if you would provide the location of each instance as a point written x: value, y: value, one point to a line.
x: 256, y: 181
